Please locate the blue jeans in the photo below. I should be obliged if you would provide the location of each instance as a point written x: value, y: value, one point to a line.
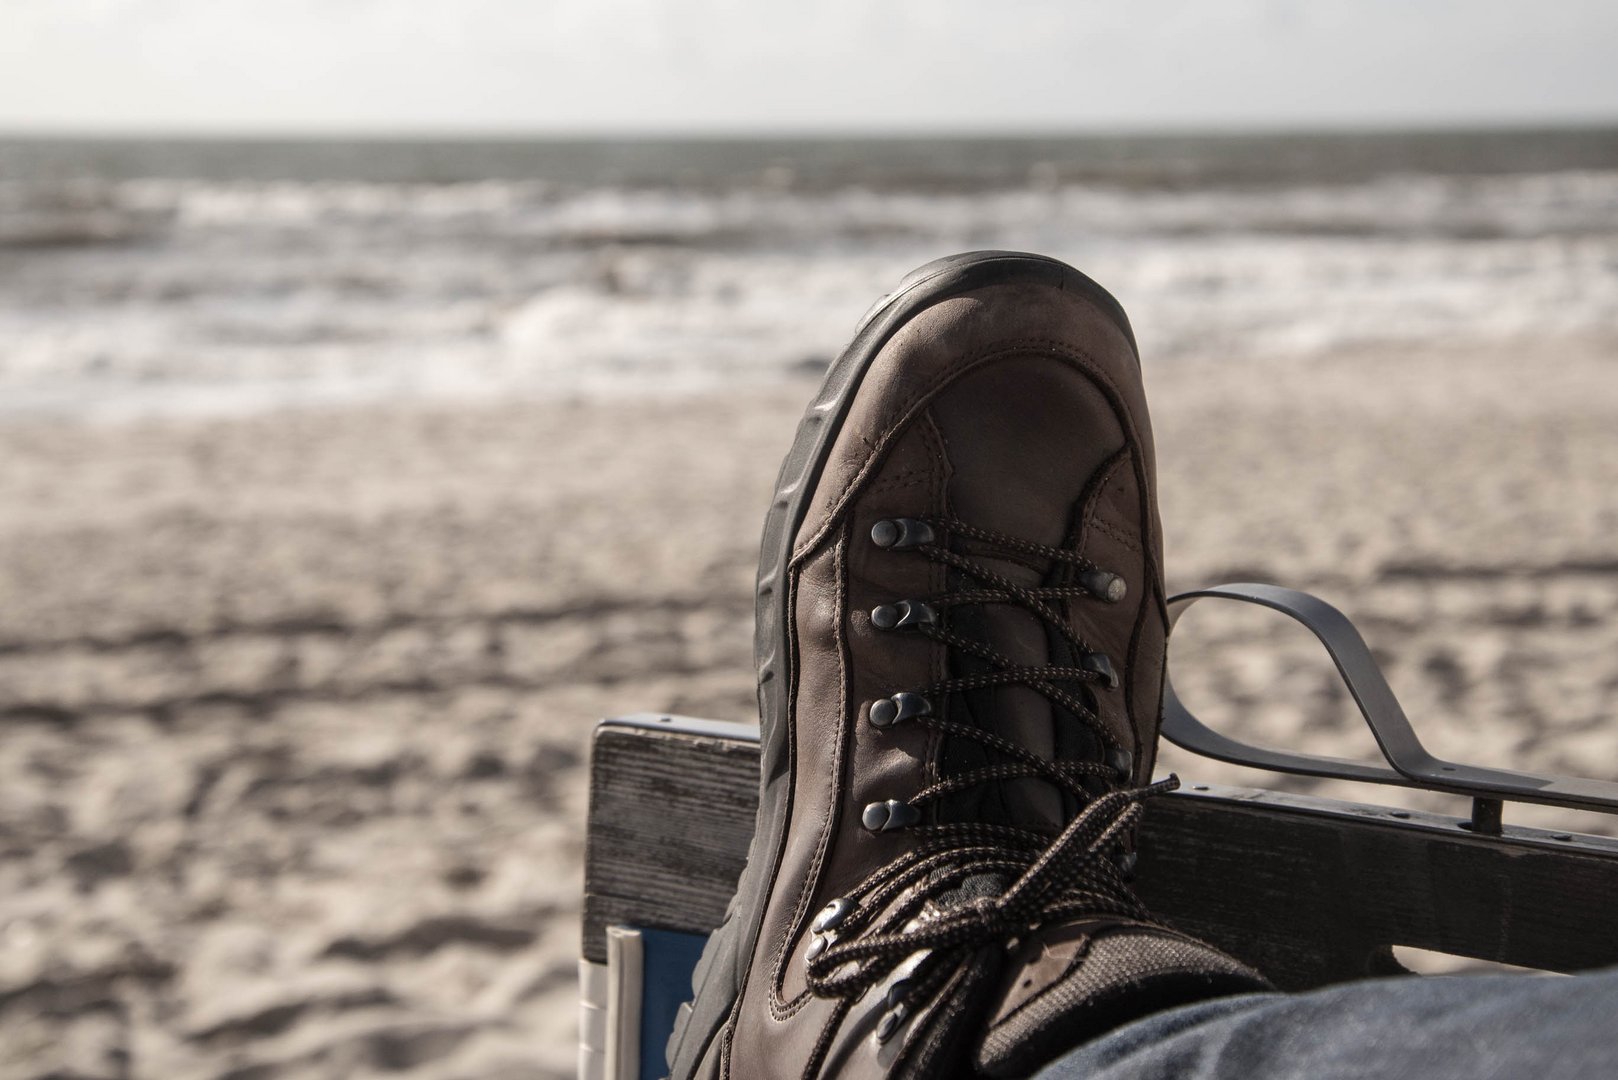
x: 1463, y: 1027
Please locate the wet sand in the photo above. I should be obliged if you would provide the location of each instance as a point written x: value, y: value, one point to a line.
x: 296, y: 707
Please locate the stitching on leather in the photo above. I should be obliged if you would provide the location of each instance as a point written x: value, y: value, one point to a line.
x: 1113, y: 531
x: 1097, y: 485
x: 938, y: 446
x: 1094, y: 487
x: 885, y: 486
x: 1133, y: 660
x: 899, y: 480
x: 1154, y: 578
x: 1061, y: 350
x: 728, y: 1031
x: 780, y: 1007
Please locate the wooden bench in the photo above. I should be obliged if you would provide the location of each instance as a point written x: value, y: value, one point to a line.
x: 1309, y: 890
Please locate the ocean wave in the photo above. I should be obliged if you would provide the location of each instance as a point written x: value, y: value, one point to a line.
x: 1564, y: 203
x: 73, y: 215
x: 153, y: 294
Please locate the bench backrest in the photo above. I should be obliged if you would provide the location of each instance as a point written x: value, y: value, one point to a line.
x: 1311, y: 891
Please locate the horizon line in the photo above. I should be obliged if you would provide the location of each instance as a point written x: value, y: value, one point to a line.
x: 436, y: 133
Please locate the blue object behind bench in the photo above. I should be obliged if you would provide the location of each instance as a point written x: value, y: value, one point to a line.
x: 668, y: 958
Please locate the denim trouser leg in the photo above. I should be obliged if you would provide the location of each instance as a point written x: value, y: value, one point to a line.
x: 1472, y: 1027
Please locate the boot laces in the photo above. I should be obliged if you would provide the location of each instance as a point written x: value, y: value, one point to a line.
x: 966, y: 885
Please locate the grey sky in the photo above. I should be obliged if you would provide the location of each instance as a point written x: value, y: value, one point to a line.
x: 765, y: 65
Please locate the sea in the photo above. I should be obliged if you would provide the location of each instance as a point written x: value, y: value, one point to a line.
x: 143, y: 277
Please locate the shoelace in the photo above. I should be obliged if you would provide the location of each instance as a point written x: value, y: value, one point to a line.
x: 860, y: 939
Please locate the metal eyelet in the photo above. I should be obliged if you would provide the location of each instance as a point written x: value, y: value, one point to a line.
x: 891, y: 1021
x: 899, y: 534
x: 1101, y: 664
x: 903, y: 615
x: 1121, y: 762
x: 833, y: 915
x: 1104, y: 585
x: 889, y: 816
x: 820, y: 944
x: 885, y: 712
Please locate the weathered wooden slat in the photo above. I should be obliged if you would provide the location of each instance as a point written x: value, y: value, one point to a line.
x: 671, y: 814
x: 1312, y: 891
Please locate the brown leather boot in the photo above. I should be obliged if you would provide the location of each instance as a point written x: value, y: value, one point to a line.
x: 960, y: 640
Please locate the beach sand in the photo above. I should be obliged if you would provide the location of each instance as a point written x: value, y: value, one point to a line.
x: 296, y: 707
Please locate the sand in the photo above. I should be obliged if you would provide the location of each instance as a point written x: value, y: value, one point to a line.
x: 296, y: 707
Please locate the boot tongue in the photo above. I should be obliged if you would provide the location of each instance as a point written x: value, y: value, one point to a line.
x: 1070, y: 983
x: 1021, y: 479
x: 976, y: 887
x: 1018, y: 713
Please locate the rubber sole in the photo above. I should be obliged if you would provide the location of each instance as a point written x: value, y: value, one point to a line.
x: 717, y: 979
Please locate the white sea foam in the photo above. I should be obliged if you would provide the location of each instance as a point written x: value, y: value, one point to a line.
x: 146, y: 296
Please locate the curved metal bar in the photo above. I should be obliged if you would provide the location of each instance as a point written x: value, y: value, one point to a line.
x: 1412, y: 764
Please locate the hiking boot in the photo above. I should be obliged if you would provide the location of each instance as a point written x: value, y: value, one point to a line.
x: 960, y: 642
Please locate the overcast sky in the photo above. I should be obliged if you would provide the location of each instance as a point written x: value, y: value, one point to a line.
x: 765, y: 65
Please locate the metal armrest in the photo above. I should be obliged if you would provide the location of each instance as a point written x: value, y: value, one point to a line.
x: 1412, y: 764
